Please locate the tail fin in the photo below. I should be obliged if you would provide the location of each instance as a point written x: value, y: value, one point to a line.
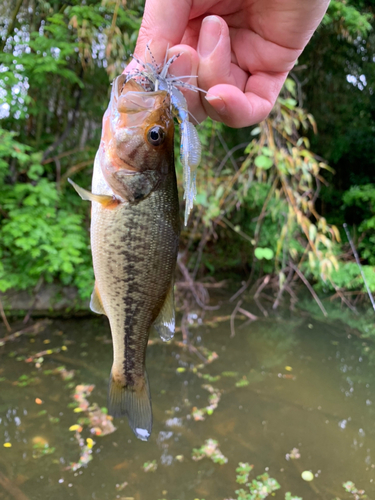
x: 135, y: 404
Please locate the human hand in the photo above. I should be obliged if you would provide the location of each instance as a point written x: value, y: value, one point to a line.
x: 240, y: 50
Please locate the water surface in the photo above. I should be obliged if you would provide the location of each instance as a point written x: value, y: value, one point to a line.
x: 284, y: 384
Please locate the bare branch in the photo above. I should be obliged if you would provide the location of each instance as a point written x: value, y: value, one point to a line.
x: 310, y: 288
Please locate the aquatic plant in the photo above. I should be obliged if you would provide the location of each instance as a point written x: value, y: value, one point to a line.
x: 258, y: 488
x: 350, y: 487
x: 214, y: 398
x: 210, y: 449
x: 150, y: 466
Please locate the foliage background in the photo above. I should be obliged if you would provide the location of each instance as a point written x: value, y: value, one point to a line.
x: 271, y: 199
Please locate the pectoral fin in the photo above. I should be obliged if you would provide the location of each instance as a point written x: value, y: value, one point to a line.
x: 86, y: 195
x: 96, y: 305
x: 165, y: 322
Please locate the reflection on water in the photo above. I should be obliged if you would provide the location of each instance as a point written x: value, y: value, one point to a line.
x: 277, y: 385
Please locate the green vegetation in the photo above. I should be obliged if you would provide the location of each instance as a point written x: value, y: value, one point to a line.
x: 54, y: 87
x: 271, y: 199
x: 264, y: 486
x: 350, y: 487
x: 210, y: 449
x: 259, y: 488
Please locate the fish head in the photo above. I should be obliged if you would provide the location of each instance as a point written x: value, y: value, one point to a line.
x: 138, y: 133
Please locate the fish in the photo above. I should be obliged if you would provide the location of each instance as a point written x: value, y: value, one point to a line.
x: 135, y: 231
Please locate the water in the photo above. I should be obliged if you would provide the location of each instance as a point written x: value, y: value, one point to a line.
x: 300, y: 384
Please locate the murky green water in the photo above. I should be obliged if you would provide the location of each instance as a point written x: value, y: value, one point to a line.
x: 295, y: 383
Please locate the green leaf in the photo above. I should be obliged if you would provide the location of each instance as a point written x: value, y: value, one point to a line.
x: 267, y: 151
x: 263, y: 162
x: 264, y: 253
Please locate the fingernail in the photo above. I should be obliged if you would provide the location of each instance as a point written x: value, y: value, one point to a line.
x: 209, y: 35
x: 216, y: 102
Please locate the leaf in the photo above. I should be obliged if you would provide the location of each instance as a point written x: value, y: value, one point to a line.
x: 288, y: 496
x: 267, y: 151
x: 263, y: 253
x: 307, y: 475
x: 290, y: 86
x: 263, y: 162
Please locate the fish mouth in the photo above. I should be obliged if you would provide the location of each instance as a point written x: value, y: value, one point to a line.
x: 131, y: 98
x: 136, y: 102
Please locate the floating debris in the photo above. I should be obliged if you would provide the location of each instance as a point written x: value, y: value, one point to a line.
x: 229, y: 374
x: 25, y: 380
x: 259, y: 488
x: 75, y: 427
x: 41, y: 447
x: 86, y: 453
x: 210, y: 450
x: 100, y: 423
x: 97, y: 420
x: 38, y: 358
x: 243, y: 382
x: 122, y: 486
x: 243, y: 470
x: 293, y: 455
x: 350, y: 487
x: 213, y: 399
x: 150, y: 466
x: 307, y: 475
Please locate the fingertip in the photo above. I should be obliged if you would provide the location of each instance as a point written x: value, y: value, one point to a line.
x: 231, y: 106
x: 216, y: 102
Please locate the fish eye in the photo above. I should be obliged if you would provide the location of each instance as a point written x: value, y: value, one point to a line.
x: 156, y: 136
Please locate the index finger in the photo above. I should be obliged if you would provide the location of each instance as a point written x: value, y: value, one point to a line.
x: 164, y: 23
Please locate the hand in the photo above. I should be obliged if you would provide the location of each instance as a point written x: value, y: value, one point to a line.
x: 240, y: 50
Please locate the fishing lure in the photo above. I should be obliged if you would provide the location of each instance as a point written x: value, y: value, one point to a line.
x: 156, y: 77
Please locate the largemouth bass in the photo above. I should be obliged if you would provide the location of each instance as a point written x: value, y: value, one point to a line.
x: 134, y: 239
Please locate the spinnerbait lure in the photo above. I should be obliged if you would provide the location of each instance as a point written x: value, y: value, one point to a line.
x: 156, y: 77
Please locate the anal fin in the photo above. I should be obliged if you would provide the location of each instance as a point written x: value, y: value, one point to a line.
x: 165, y: 322
x: 96, y: 305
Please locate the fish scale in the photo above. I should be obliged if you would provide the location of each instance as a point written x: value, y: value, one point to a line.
x: 151, y: 237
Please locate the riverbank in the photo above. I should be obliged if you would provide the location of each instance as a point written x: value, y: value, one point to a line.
x: 52, y: 300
